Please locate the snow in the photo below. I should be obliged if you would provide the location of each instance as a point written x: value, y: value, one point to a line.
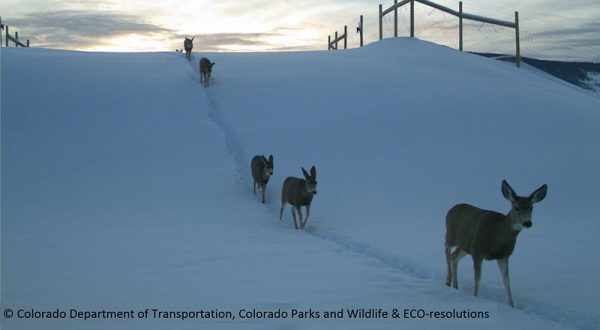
x: 126, y: 186
x: 593, y: 82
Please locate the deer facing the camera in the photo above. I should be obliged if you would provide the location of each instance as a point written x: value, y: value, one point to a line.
x: 487, y: 234
x: 188, y: 44
x: 299, y: 192
x: 262, y: 169
x: 205, y: 70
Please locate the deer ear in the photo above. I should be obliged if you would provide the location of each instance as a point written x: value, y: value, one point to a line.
x: 212, y: 64
x: 271, y: 159
x: 313, y: 172
x: 539, y: 194
x: 263, y: 158
x: 305, y: 174
x: 507, y: 191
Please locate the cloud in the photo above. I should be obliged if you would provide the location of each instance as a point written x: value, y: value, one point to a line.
x: 216, y: 41
x: 78, y: 29
x: 585, y: 30
x: 243, y: 42
x: 98, y: 29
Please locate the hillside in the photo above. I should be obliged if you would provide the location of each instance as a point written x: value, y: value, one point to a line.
x: 126, y: 186
x: 582, y: 74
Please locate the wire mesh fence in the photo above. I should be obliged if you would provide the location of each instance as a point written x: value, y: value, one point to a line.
x: 543, y: 35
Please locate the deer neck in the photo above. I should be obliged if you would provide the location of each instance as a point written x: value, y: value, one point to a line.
x: 500, y: 241
x: 266, y: 177
x: 512, y: 225
x: 307, y: 195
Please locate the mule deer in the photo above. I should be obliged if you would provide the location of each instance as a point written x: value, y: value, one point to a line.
x: 262, y: 169
x: 487, y: 234
x: 299, y: 192
x: 205, y: 70
x: 188, y: 44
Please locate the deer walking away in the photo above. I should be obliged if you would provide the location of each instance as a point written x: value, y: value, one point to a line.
x: 487, y: 234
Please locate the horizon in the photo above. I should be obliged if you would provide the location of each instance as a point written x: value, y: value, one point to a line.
x: 266, y: 26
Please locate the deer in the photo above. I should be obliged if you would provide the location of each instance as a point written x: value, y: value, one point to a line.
x: 262, y: 169
x: 488, y: 235
x: 205, y: 70
x: 299, y: 192
x: 188, y: 44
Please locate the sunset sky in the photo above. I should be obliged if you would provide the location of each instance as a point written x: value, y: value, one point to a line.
x: 266, y: 25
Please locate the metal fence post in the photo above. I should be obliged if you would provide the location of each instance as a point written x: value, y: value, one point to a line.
x: 460, y: 27
x: 336, y: 40
x: 361, y: 30
x: 518, y: 55
x: 345, y: 37
x: 412, y: 18
x: 395, y: 19
x: 380, y: 23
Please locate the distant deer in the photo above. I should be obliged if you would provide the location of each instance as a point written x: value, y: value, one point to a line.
x: 487, y: 234
x: 299, y: 192
x: 188, y: 45
x: 205, y: 70
x: 262, y: 169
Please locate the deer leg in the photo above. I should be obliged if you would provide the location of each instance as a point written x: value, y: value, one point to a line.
x: 448, y: 263
x: 503, y: 265
x: 263, y: 188
x: 477, y: 261
x: 254, y: 187
x: 281, y: 212
x: 307, y: 214
x: 294, y: 214
x: 299, y: 210
x: 456, y: 256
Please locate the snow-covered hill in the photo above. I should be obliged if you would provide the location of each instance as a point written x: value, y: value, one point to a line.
x: 126, y: 186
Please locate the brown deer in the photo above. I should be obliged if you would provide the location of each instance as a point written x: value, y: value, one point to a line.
x: 262, y: 169
x: 188, y: 44
x: 299, y: 192
x: 205, y: 70
x: 487, y: 234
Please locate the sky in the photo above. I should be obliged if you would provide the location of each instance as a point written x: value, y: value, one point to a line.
x: 549, y: 28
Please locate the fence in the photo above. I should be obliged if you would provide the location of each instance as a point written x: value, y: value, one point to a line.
x: 333, y: 44
x: 460, y: 14
x: 8, y: 37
